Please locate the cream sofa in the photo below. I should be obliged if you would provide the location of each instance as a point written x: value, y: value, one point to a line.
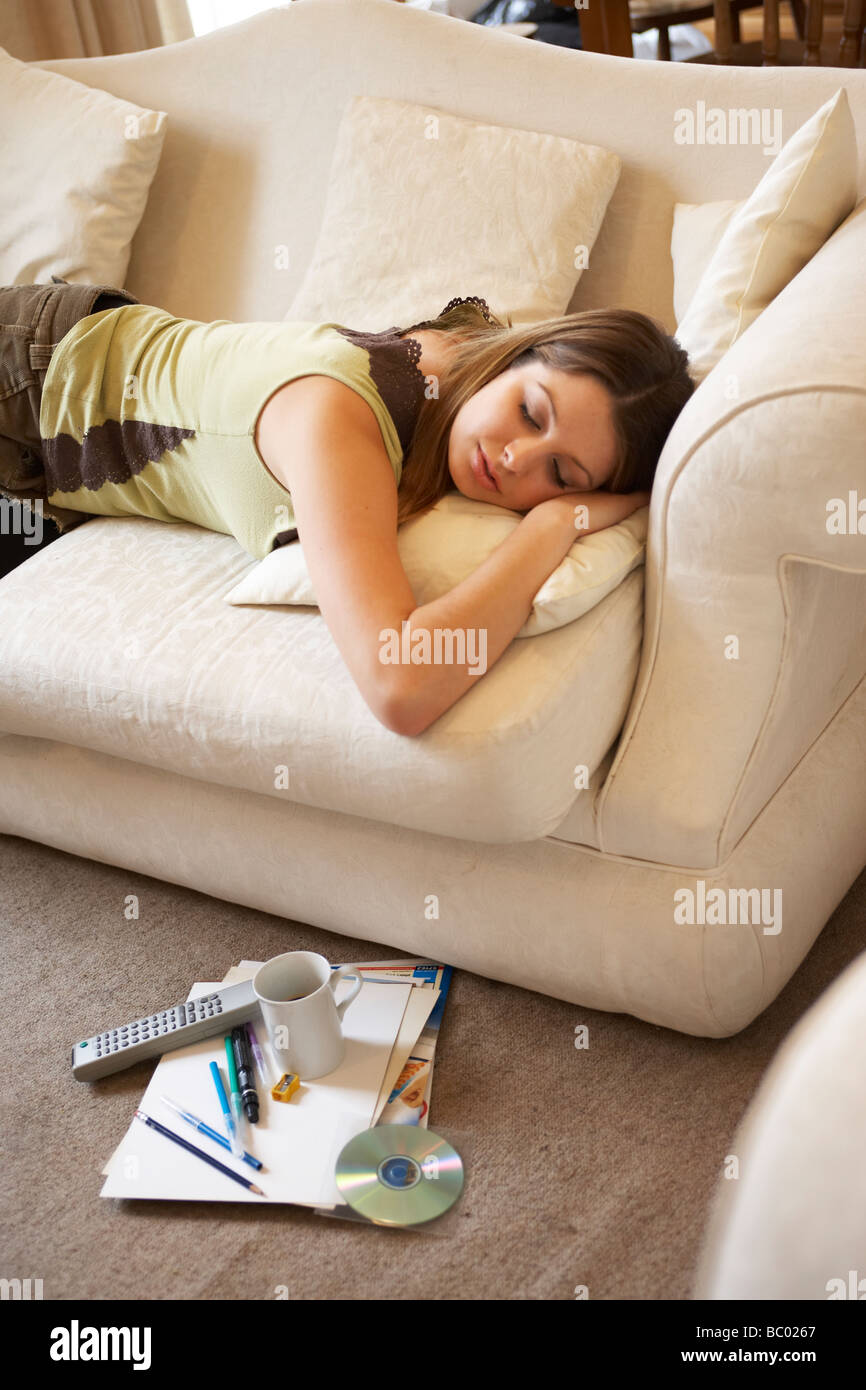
x: 145, y: 721
x: 790, y: 1221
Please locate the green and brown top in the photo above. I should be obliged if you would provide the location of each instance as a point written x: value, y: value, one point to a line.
x: 146, y: 414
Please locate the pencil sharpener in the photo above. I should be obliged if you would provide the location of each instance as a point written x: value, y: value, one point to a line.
x: 286, y: 1086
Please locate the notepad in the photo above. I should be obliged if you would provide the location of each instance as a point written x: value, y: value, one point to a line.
x: 298, y: 1143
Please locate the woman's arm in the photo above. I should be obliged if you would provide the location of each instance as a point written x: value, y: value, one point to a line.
x: 496, y: 598
x: 329, y: 450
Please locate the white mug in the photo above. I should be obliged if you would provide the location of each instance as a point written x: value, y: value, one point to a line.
x: 303, y: 1020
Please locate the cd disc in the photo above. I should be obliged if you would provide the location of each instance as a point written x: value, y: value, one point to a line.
x: 399, y: 1175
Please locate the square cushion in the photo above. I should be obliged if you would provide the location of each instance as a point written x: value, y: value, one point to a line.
x: 808, y: 189
x: 423, y: 206
x: 76, y: 165
x: 698, y: 228
x: 445, y: 545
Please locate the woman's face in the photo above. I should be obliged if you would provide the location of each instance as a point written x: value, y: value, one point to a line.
x: 540, y: 432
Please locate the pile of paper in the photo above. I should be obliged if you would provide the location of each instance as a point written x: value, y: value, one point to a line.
x: 385, y: 1077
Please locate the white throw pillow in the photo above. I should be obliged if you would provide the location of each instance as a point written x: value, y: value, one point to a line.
x: 441, y: 548
x: 76, y: 165
x: 423, y: 206
x: 698, y: 228
x: 810, y: 187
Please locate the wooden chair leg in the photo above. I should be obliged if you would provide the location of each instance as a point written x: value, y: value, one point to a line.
x: 814, y: 31
x: 724, y: 38
x: 664, y: 48
x: 798, y: 10
x: 770, y: 45
x: 852, y: 29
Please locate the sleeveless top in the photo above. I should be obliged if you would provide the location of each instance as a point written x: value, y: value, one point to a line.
x: 150, y: 415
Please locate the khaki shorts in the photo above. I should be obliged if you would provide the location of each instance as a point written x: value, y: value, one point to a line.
x: 33, y: 321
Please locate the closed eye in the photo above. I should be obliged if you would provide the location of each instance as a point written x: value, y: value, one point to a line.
x: 557, y: 476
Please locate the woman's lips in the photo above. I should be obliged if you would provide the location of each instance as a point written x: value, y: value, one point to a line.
x: 481, y: 471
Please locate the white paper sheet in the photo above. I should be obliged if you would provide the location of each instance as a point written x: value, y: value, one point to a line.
x: 298, y: 1142
x: 422, y: 1002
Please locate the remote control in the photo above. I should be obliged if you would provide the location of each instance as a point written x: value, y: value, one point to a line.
x: 164, y: 1031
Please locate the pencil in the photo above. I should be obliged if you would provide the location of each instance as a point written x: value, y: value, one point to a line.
x: 200, y: 1153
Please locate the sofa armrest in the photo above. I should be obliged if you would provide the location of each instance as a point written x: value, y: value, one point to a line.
x: 755, y: 623
x: 793, y: 1223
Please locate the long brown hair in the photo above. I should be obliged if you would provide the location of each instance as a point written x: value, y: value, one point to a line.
x: 643, y: 369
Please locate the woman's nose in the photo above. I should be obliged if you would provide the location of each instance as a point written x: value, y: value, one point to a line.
x: 518, y: 457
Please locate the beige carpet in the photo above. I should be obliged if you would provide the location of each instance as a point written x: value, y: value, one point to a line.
x: 588, y: 1167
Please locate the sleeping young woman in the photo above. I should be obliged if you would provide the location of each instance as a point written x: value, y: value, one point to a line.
x: 274, y: 431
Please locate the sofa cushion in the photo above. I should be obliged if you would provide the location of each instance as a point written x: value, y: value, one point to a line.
x: 804, y: 195
x: 698, y: 228
x: 116, y: 638
x: 423, y: 205
x: 442, y: 547
x: 75, y: 173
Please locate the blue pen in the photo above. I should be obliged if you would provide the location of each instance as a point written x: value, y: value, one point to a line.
x: 232, y: 1133
x: 200, y: 1125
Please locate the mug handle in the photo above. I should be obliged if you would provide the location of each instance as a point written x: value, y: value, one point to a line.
x: 339, y: 974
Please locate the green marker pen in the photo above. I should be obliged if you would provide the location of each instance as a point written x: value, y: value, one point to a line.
x: 234, y: 1088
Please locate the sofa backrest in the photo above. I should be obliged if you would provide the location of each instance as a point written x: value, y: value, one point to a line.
x: 254, y: 110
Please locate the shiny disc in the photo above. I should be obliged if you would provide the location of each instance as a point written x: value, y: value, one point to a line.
x: 399, y: 1175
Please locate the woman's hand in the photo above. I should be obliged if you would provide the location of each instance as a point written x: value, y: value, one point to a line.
x: 583, y: 513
